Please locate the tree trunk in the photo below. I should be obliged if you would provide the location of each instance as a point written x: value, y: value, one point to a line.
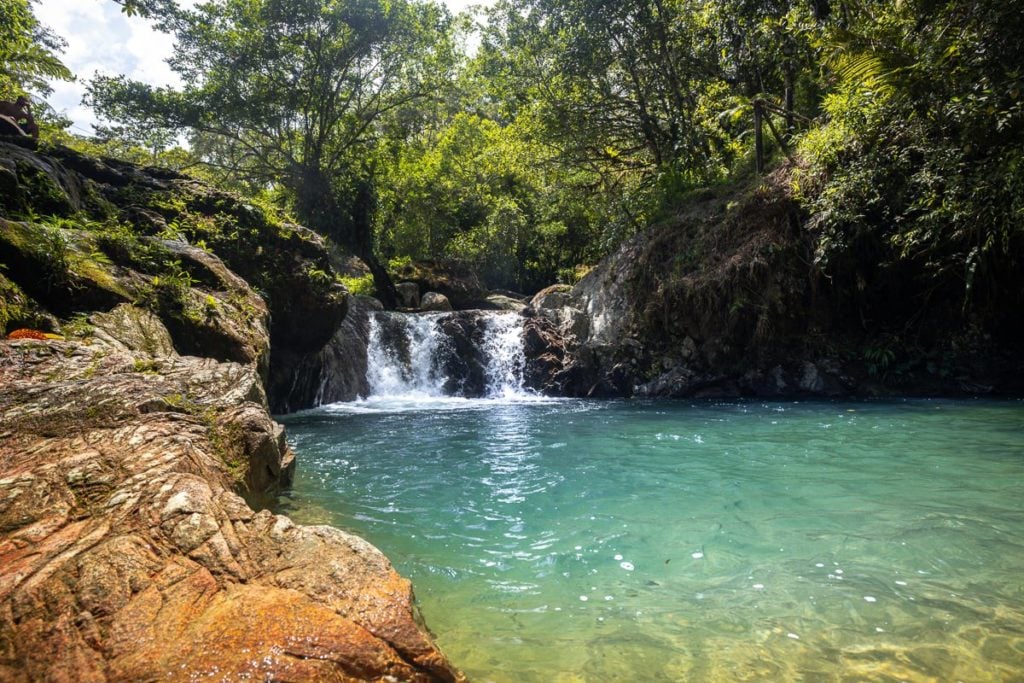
x: 319, y: 206
x: 363, y: 208
x: 381, y: 280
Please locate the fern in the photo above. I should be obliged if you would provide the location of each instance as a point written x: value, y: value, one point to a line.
x: 864, y: 70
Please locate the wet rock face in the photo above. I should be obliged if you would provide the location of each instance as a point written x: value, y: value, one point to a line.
x: 464, y: 362
x: 558, y: 360
x: 337, y: 372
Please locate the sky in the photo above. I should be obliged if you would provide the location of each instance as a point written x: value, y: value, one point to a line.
x: 101, y: 39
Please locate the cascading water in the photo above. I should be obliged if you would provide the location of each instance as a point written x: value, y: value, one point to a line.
x: 503, y: 345
x: 404, y: 365
x: 424, y: 356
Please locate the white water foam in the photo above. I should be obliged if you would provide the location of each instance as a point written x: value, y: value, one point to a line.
x: 506, y: 359
x: 411, y: 379
x: 391, y: 375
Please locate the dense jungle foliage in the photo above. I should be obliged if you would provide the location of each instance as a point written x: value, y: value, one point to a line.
x: 530, y: 138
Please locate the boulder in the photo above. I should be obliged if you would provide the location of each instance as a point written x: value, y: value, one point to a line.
x: 555, y: 296
x: 501, y: 302
x: 453, y: 279
x: 130, y: 328
x: 433, y: 301
x: 408, y: 295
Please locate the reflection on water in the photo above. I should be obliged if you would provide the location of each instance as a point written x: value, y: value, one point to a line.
x: 585, y: 541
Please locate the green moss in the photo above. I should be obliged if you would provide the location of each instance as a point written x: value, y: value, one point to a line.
x: 227, y: 438
x: 41, y: 193
x: 17, y: 309
x: 146, y: 366
x: 228, y: 441
x: 360, y: 286
x: 78, y: 327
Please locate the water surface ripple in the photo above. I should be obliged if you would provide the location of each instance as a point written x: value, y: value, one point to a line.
x: 665, y: 541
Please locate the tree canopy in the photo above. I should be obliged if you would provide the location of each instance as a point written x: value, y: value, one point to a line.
x: 297, y: 95
x: 532, y: 142
x: 28, y: 52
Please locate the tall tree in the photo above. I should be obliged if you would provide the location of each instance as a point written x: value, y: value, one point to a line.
x: 621, y: 82
x: 296, y: 94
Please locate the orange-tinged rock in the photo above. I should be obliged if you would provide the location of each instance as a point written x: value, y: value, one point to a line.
x: 25, y: 333
x: 125, y: 555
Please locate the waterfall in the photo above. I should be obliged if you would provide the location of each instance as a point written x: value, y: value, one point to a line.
x: 467, y: 354
x: 401, y: 355
x: 503, y: 346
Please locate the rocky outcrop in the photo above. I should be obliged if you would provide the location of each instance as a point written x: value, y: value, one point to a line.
x: 125, y: 555
x: 725, y: 300
x: 338, y: 371
x: 464, y: 360
x: 105, y: 215
x: 126, y: 551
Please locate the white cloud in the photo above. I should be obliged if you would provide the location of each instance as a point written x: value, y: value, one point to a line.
x: 102, y: 39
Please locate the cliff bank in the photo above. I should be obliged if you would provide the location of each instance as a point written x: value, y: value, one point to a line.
x: 729, y: 296
x: 128, y: 433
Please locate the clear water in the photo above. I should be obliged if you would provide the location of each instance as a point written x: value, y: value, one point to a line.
x: 641, y: 541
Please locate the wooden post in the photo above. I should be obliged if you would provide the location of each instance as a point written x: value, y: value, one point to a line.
x: 758, y: 138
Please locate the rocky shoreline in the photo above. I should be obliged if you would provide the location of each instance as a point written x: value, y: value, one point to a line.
x: 126, y: 551
x: 173, y: 318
